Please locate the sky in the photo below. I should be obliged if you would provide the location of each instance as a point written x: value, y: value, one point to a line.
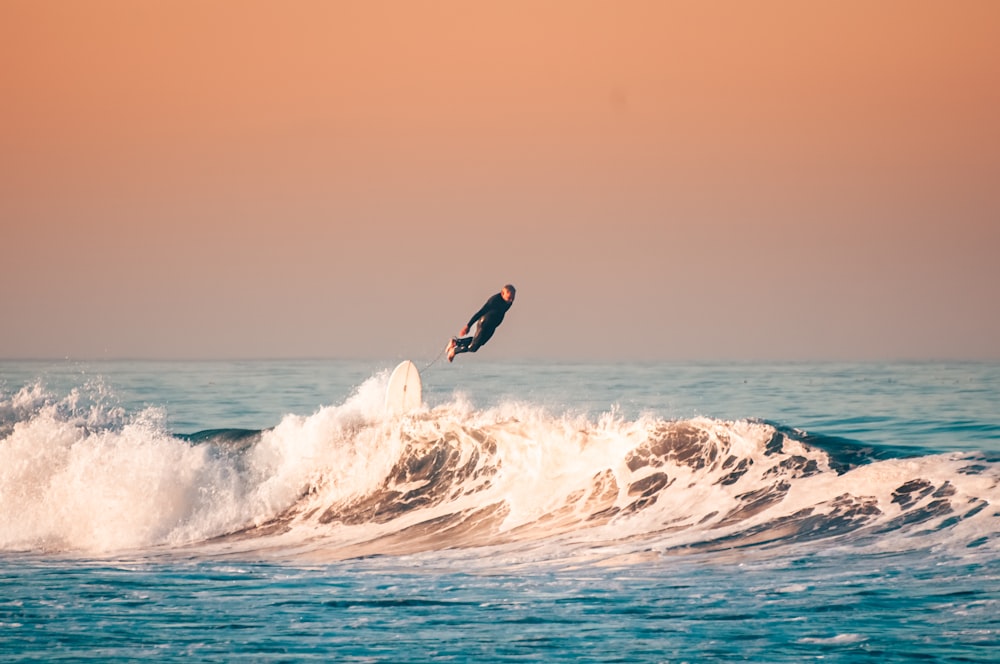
x: 661, y: 180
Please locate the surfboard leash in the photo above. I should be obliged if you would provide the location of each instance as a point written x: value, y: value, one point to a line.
x: 434, y: 361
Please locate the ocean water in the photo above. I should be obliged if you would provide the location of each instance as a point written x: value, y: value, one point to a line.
x: 528, y: 512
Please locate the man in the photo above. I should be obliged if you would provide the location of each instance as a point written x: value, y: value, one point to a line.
x: 488, y: 318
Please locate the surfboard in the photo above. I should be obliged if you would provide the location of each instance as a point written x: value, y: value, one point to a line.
x: 405, y: 391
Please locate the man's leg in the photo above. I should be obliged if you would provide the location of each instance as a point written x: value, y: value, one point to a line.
x: 456, y: 346
x: 470, y: 344
x: 483, y: 335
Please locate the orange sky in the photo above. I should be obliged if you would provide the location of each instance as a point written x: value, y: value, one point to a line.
x: 677, y: 180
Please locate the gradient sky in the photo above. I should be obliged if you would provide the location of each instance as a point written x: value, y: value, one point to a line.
x: 661, y: 180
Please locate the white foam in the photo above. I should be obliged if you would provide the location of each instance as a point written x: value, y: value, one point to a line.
x: 839, y: 639
x: 65, y: 486
x: 79, y: 474
x: 72, y: 481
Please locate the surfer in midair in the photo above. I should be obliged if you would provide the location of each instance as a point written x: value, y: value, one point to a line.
x: 488, y: 318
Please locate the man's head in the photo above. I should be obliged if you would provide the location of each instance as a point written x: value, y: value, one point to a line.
x: 508, y: 292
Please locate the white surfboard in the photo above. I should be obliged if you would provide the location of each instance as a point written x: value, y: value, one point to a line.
x: 405, y: 391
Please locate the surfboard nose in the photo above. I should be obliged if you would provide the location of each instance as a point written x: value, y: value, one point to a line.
x: 405, y: 391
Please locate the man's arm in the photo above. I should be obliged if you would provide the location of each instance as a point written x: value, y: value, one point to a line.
x: 490, y: 303
x: 486, y: 307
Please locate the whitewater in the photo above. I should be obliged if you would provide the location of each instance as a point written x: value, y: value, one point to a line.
x: 539, y: 511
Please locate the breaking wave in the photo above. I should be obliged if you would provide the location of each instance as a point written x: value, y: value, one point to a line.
x: 79, y: 474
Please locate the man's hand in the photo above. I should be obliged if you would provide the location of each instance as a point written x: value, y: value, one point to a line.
x: 464, y: 331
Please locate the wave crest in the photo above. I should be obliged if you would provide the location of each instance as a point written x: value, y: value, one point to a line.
x: 491, y: 479
x: 80, y: 474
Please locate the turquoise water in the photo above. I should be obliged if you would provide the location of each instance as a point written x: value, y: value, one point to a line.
x: 258, y: 511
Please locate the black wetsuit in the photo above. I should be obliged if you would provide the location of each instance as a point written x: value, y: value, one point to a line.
x: 489, y: 317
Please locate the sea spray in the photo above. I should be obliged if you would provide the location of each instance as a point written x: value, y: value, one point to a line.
x: 80, y: 473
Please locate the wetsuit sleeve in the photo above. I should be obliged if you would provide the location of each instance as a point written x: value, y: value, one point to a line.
x: 490, y: 304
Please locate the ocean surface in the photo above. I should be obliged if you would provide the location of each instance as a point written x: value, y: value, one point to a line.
x: 527, y: 512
